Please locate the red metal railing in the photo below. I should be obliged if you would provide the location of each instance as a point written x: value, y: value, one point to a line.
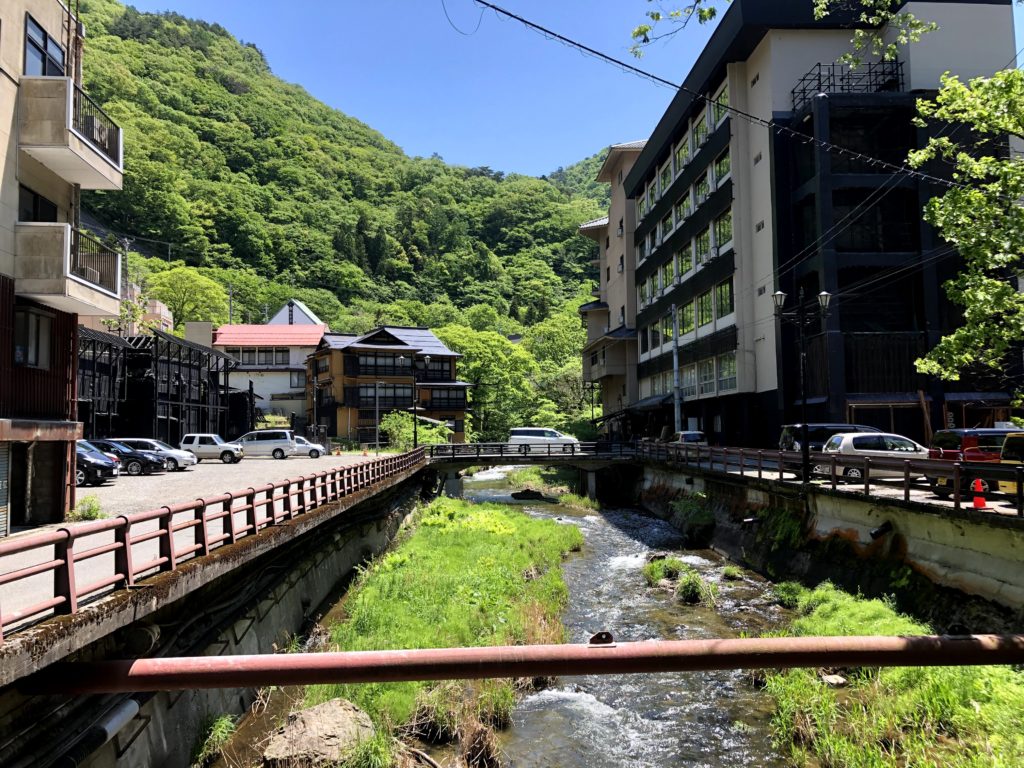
x: 215, y: 522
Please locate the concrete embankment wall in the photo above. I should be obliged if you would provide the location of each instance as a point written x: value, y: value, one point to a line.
x: 255, y: 611
x: 961, y: 571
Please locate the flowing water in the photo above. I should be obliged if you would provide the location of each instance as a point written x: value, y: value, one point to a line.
x: 712, y: 719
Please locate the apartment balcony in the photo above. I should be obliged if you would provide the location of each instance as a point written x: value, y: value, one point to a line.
x: 604, y: 369
x: 65, y: 130
x: 66, y: 269
x: 840, y: 78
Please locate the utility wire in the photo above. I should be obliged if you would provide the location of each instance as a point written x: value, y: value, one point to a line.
x: 453, y: 25
x: 753, y: 119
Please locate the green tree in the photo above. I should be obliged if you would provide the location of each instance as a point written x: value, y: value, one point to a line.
x: 189, y: 295
x: 398, y: 427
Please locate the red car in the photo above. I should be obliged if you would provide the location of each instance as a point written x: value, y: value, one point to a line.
x: 969, y: 446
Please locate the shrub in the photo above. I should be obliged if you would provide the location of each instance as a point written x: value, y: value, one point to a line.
x: 216, y: 733
x: 666, y: 568
x: 694, y: 590
x: 87, y: 508
x: 788, y: 593
x: 572, y: 500
x: 732, y: 573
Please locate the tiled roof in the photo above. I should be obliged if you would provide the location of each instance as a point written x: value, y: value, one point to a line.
x: 106, y: 338
x: 301, y: 335
x: 592, y: 306
x: 421, y: 338
x: 422, y: 341
x: 631, y: 145
x: 595, y: 224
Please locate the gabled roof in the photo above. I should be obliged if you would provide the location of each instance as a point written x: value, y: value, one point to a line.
x: 301, y: 335
x: 397, y: 338
x: 281, y: 316
x: 595, y: 224
x: 616, y: 151
x: 421, y: 338
x: 592, y: 306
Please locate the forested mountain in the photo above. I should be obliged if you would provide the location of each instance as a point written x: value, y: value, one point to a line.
x: 578, y: 180
x: 239, y: 170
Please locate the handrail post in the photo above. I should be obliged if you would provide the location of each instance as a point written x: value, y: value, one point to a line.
x: 166, y: 540
x: 200, y: 536
x: 64, y: 584
x: 123, y: 555
x: 779, y: 466
x: 287, y: 500
x: 760, y: 464
x: 867, y: 476
x: 956, y: 485
x: 906, y: 479
x: 228, y: 521
x: 250, y: 513
x: 832, y: 469
x: 1019, y: 472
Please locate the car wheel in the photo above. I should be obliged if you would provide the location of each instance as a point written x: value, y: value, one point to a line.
x: 133, y: 467
x: 524, y: 449
x: 853, y: 473
x: 172, y: 465
x: 820, y: 469
x: 314, y: 454
x: 80, y: 477
x: 227, y: 457
x: 278, y: 453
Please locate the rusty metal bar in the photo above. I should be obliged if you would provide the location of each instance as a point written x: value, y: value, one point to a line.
x: 600, y: 658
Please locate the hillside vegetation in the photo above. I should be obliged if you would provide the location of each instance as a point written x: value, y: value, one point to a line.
x: 238, y: 181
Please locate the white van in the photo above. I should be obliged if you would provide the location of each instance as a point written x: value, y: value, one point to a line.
x: 539, y: 438
x: 279, y: 443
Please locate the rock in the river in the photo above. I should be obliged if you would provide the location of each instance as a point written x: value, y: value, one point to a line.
x: 529, y: 494
x: 322, y: 735
x: 834, y: 681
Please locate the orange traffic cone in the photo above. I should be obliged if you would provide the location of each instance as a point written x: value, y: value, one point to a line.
x: 979, y: 494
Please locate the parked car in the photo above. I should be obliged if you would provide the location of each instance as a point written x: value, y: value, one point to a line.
x: 279, y: 443
x: 966, y: 445
x: 206, y: 445
x: 91, y: 466
x: 871, y: 445
x: 134, y: 462
x: 315, y: 450
x: 175, y: 458
x: 539, y: 438
x: 692, y: 437
x: 817, y: 434
x: 1011, y: 453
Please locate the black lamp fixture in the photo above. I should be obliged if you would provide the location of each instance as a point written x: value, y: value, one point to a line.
x: 418, y: 366
x: 801, y: 317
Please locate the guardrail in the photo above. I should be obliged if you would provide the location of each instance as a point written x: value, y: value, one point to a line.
x: 601, y: 449
x: 841, y: 468
x: 211, y: 519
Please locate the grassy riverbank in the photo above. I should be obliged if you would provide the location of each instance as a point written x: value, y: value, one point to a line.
x: 469, y: 575
x: 967, y: 717
x: 554, y: 481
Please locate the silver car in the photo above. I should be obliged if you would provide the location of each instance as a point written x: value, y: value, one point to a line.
x: 315, y: 450
x: 174, y: 458
x: 206, y: 445
x: 882, y: 445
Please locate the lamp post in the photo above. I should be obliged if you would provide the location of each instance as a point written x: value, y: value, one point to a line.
x: 376, y: 417
x: 802, y: 318
x: 417, y: 368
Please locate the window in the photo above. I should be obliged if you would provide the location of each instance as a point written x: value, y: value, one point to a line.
x: 644, y: 293
x: 706, y: 376
x: 652, y: 194
x: 700, y: 130
x: 607, y: 274
x: 667, y: 329
x: 622, y: 262
x: 686, y: 318
x: 323, y: 364
x: 622, y: 314
x: 652, y: 286
x: 297, y: 379
x: 249, y: 356
x: 702, y: 246
x: 662, y: 283
x: 666, y: 226
x: 35, y: 207
x: 721, y: 108
x: 722, y: 166
x: 689, y: 381
x: 644, y: 341
x: 43, y: 54
x: 665, y: 177
x: 655, y: 336
x: 683, y: 209
x: 723, y: 229
x: 682, y: 154
x: 702, y: 189
x: 685, y: 257
x: 705, y: 312
x: 265, y: 356
x: 727, y: 372
x: 235, y: 352
x: 32, y: 338
x: 670, y: 272
x: 652, y: 241
x: 723, y: 299
x: 640, y: 211
x: 281, y: 355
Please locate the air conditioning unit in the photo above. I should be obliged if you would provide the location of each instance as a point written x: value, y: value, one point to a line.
x: 89, y: 273
x: 713, y: 253
x: 620, y: 268
x: 618, y: 232
x: 712, y: 182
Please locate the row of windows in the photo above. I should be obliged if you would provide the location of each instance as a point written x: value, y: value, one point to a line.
x: 43, y: 54
x: 681, y: 153
x: 702, y: 188
x: 703, y: 247
x: 712, y: 375
x: 259, y: 355
x: 718, y: 303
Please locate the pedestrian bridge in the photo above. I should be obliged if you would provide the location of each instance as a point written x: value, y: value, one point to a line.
x: 594, y: 455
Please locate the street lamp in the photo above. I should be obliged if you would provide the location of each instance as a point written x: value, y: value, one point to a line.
x: 802, y: 318
x: 376, y: 417
x: 417, y: 367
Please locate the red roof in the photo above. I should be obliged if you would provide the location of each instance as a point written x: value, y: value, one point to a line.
x: 268, y: 335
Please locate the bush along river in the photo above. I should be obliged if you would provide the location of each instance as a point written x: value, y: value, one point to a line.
x: 494, y: 570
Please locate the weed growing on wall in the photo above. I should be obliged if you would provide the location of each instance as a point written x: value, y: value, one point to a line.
x: 87, y: 508
x: 694, y: 518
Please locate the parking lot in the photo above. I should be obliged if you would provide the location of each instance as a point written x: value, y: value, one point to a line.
x: 137, y: 494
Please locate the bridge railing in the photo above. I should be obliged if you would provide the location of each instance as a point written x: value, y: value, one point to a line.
x: 460, y: 451
x: 214, y: 522
x: 860, y: 472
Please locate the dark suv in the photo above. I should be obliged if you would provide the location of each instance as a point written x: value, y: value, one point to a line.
x: 817, y: 434
x: 969, y: 446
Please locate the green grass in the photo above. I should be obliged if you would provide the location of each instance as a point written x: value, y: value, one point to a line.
x: 553, y: 480
x: 580, y: 502
x: 732, y: 573
x: 376, y: 752
x: 666, y: 568
x: 216, y: 733
x: 87, y: 508
x: 470, y: 575
x: 929, y: 717
x: 694, y: 590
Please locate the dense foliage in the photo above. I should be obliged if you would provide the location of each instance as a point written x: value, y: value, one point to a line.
x: 245, y: 191
x: 579, y: 179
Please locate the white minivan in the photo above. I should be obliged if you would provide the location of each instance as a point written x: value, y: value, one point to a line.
x: 539, y: 438
x: 881, y: 445
x: 279, y: 443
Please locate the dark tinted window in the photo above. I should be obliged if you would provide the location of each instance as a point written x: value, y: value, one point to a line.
x: 1013, y: 449
x: 868, y: 443
x: 991, y: 442
x: 206, y: 441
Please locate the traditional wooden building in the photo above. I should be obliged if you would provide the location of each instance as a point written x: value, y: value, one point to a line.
x: 352, y: 381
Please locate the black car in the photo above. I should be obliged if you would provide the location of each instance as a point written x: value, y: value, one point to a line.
x: 817, y: 434
x: 91, y: 466
x: 134, y: 462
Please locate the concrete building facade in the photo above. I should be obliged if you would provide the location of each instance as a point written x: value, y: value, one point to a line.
x: 54, y: 142
x: 730, y: 209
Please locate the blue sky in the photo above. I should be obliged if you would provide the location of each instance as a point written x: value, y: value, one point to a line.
x: 503, y: 96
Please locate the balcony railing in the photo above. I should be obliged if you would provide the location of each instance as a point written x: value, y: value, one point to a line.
x: 446, y: 403
x: 94, y: 262
x: 96, y: 126
x: 840, y: 78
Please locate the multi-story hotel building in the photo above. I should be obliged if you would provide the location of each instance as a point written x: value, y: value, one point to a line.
x: 729, y: 211
x: 54, y: 142
x: 352, y: 381
x: 609, y: 357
